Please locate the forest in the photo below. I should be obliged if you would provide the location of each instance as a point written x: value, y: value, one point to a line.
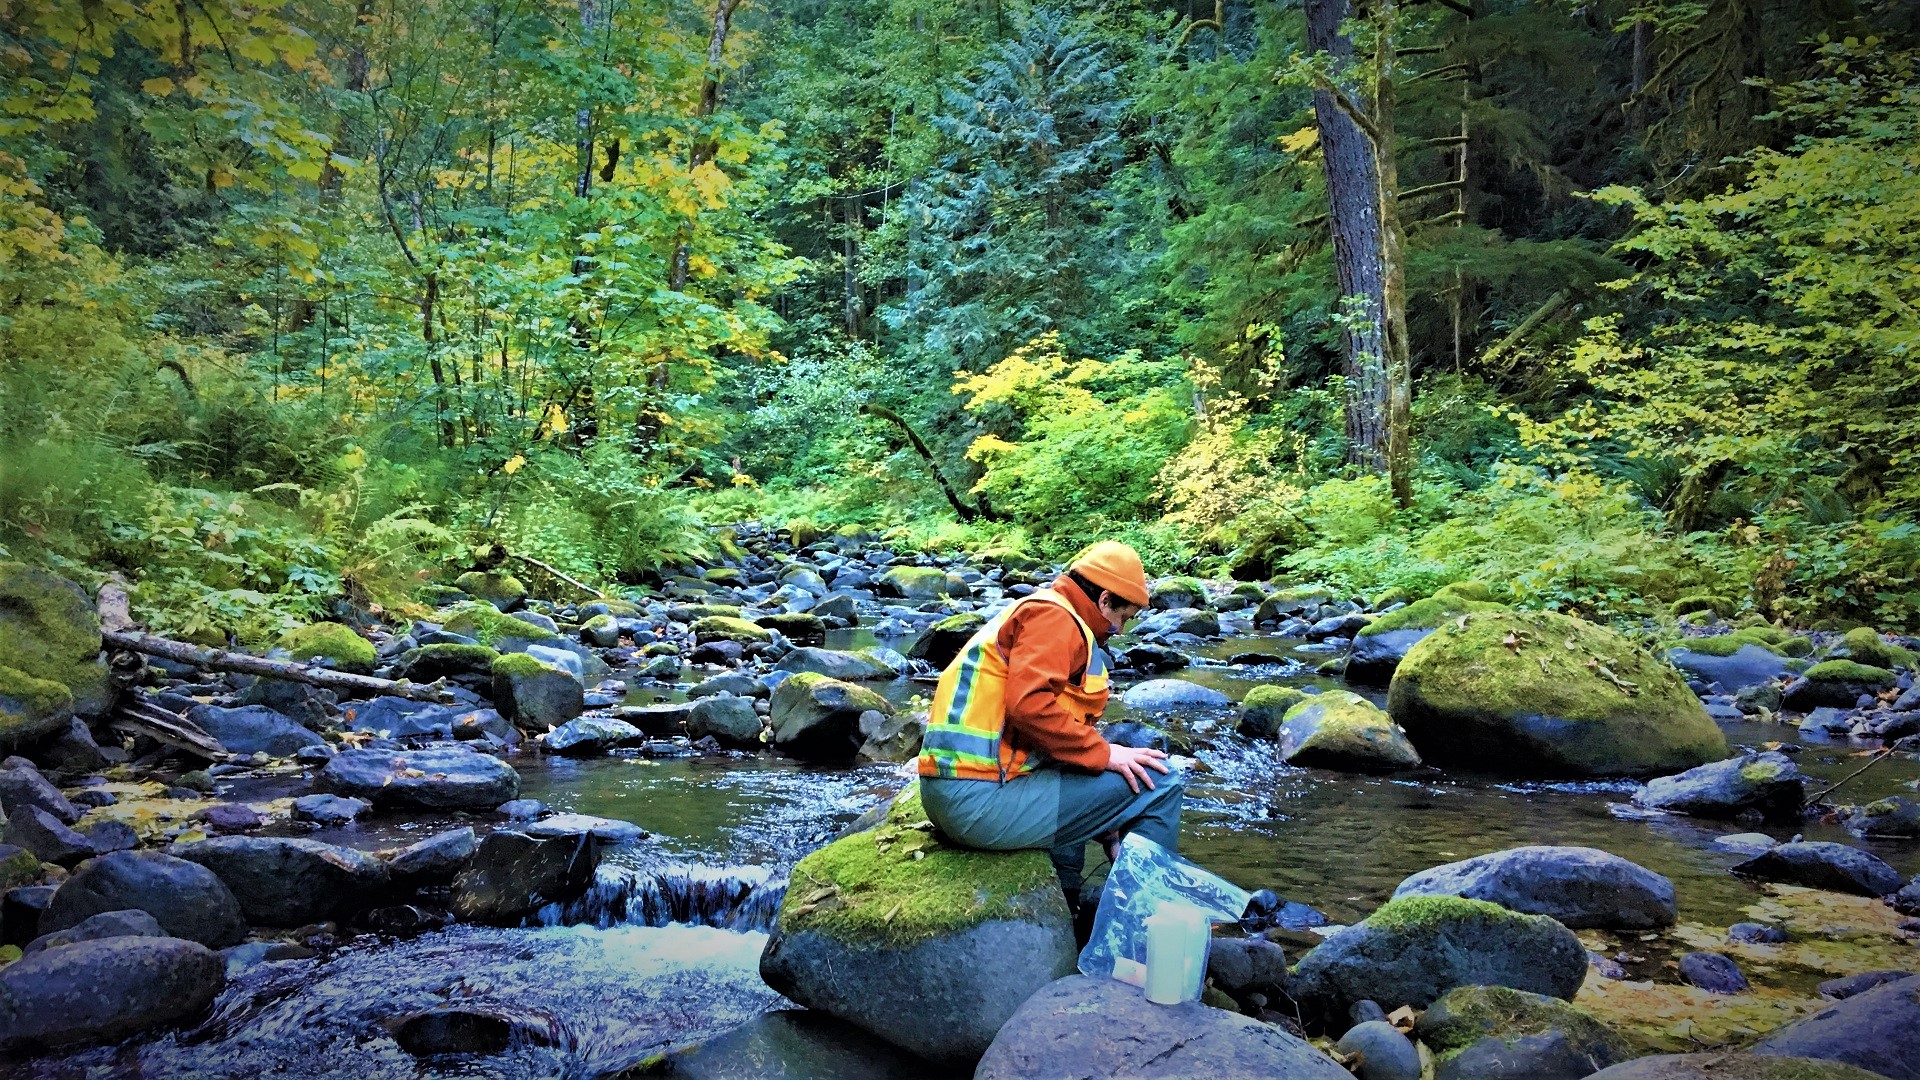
x: 1610, y: 304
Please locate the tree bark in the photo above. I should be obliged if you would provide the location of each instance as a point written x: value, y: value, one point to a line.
x: 1393, y: 265
x: 967, y: 513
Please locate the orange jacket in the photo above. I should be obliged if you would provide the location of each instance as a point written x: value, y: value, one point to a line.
x: 1046, y: 653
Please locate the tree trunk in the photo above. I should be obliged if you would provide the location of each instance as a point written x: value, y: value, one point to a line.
x: 853, y: 306
x: 1393, y: 265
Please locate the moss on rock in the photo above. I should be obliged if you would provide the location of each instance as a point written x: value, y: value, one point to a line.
x: 1476, y: 591
x: 31, y: 707
x: 503, y: 591
x: 333, y: 642
x: 1264, y: 707
x: 50, y: 631
x: 898, y: 884
x: 1864, y: 645
x: 429, y: 662
x: 1545, y: 693
x: 729, y: 628
x: 520, y: 665
x: 1694, y: 603
x: 1342, y: 730
x: 1471, y: 1013
x: 1848, y: 671
x: 486, y: 625
x: 1426, y: 614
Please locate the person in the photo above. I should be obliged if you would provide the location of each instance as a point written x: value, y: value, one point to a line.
x: 1012, y: 758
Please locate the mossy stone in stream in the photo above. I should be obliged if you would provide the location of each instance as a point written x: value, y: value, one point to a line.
x: 1465, y: 591
x: 1732, y: 1066
x: 730, y: 628
x: 1342, y: 730
x: 1723, y: 645
x: 1477, y: 1031
x: 486, y: 625
x: 921, y: 583
x: 1864, y: 645
x: 1834, y: 683
x: 333, y: 642
x: 1695, y: 603
x: 799, y: 627
x: 1425, y: 614
x: 927, y: 945
x: 1177, y: 592
x: 426, y: 663
x: 943, y: 640
x: 1542, y: 693
x: 1380, y: 645
x: 688, y: 613
x: 31, y: 707
x: 534, y: 692
x: 817, y: 718
x: 504, y: 591
x: 49, y: 631
x: 1264, y: 707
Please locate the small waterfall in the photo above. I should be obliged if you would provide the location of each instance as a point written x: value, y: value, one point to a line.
x: 731, y: 898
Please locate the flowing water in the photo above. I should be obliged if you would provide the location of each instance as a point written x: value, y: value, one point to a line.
x: 663, y: 952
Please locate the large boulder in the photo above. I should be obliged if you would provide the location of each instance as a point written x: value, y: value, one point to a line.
x: 188, y: 899
x: 1342, y: 730
x: 940, y: 643
x: 920, y: 584
x: 730, y: 628
x: 1416, y: 948
x: 1380, y: 645
x: 730, y: 721
x: 106, y: 989
x: 818, y: 719
x: 1822, y: 865
x: 1167, y: 695
x: 443, y: 660
x: 1494, y: 1032
x: 50, y: 664
x: 483, y: 623
x: 1548, y: 694
x: 504, y: 591
x: 1878, y: 1031
x: 50, y: 840
x: 130, y: 923
x: 1101, y: 1029
x: 1731, y: 663
x: 283, y: 881
x: 254, y: 729
x: 1834, y: 683
x: 1768, y: 784
x: 332, y: 643
x: 438, y: 778
x: 929, y: 946
x: 1894, y: 818
x: 834, y: 664
x: 512, y: 875
x: 1579, y: 887
x: 535, y: 693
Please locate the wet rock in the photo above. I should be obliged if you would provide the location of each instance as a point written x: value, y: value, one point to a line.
x: 591, y: 736
x: 441, y: 778
x: 1747, y: 666
x: 464, y: 1029
x: 1415, y: 949
x: 1342, y: 730
x: 1855, y: 985
x: 50, y: 665
x: 1827, y: 720
x: 332, y: 644
x: 106, y: 837
x: 1768, y: 784
x: 731, y: 721
x: 1748, y: 843
x: 130, y: 923
x: 1820, y: 865
x: 504, y: 591
x: 1167, y: 695
x: 1579, y: 887
x: 1878, y: 1031
x: 1835, y: 683
x: 797, y: 626
x: 535, y: 693
x: 893, y: 737
x: 1241, y: 966
x: 1713, y: 972
x: 1548, y: 694
x: 1748, y: 933
x: 39, y: 832
x: 1264, y: 707
x: 942, y: 641
x: 1337, y: 626
x: 1907, y: 900
x: 1896, y: 818
x: 1101, y: 1029
x: 666, y: 718
x: 816, y: 718
x: 1493, y: 1032
x: 1155, y: 659
x: 328, y: 810
x: 188, y: 899
x: 1730, y: 1066
x: 92, y: 798
x: 600, y: 631
x: 105, y: 989
x: 738, y: 684
x: 845, y: 666
x: 22, y: 906
x: 447, y: 660
x: 918, y: 584
x: 1170, y: 594
x: 229, y: 818
x: 512, y: 875
x: 522, y: 809
x: 573, y: 826
x: 435, y: 859
x: 965, y: 935
x: 23, y: 786
x: 1139, y: 736
x: 1376, y: 1050
x: 281, y: 881
x: 807, y: 1045
x: 254, y: 729
x: 73, y: 750
x: 1199, y: 622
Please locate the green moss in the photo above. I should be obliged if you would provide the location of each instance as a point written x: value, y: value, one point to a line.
x: 501, y: 590
x: 803, y: 532
x: 1279, y: 698
x: 1386, y: 598
x: 964, y: 623
x: 1761, y: 772
x: 601, y: 622
x: 429, y: 662
x: 1303, y: 594
x: 334, y: 642
x: 1426, y: 614
x: 897, y: 884
x: 1466, y: 590
x: 1796, y: 646
x: 724, y: 575
x: 1469, y: 1014
x: 1424, y: 914
x: 30, y: 707
x: 49, y: 630
x: 1850, y: 672
x: 1190, y: 586
x: 687, y: 613
x: 1865, y: 646
x: 520, y: 665
x: 1008, y: 557
x: 1698, y: 602
x: 1769, y: 639
x: 484, y: 624
x: 18, y: 867
x: 729, y: 628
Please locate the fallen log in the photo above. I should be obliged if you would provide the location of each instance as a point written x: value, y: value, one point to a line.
x: 141, y: 717
x: 226, y: 660
x: 558, y: 573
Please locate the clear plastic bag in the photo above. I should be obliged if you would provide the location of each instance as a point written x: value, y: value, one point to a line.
x: 1145, y: 876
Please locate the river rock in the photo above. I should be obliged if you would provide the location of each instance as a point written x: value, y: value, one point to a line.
x: 1240, y: 966
x: 504, y: 591
x: 39, y: 832
x: 1716, y: 973
x: 23, y: 786
x: 1749, y: 665
x: 254, y: 729
x: 816, y: 718
x: 1835, y: 683
x: 942, y: 641
x: 1768, y: 784
x: 801, y: 577
x: 1531, y: 691
x: 845, y: 666
x: 1895, y: 818
x: 130, y: 923
x: 438, y: 778
x: 1101, y: 1029
x: 447, y: 660
x: 830, y: 1048
x: 1416, y: 948
x: 1579, y: 887
x: 188, y: 899
x: 328, y: 810
x: 535, y: 693
x: 435, y: 859
x: 282, y: 881
x: 1731, y: 1066
x: 512, y: 875
x: 1878, y: 1031
x: 964, y: 935
x: 1498, y: 1033
x: 229, y: 818
x: 591, y: 736
x: 106, y: 989
x: 1380, y: 644
x: 1264, y: 707
x: 1855, y: 985
x: 919, y: 584
x: 730, y: 721
x: 50, y: 664
x: 1821, y: 865
x: 798, y: 627
x: 893, y: 737
x: 573, y: 826
x: 1375, y: 1050
x: 1342, y: 730
x: 1167, y: 695
x: 1168, y: 594
x: 333, y: 644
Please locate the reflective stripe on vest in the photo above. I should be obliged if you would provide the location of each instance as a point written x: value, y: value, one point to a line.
x: 966, y: 725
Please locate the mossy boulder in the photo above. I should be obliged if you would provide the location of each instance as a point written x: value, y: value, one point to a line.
x: 1732, y: 1066
x: 1864, y: 645
x: 426, y: 663
x: 1735, y: 661
x: 1009, y: 558
x: 942, y: 641
x: 927, y: 945
x: 1264, y: 707
x: 730, y: 628
x: 600, y: 631
x: 799, y: 627
x: 1465, y: 591
x: 1579, y: 887
x: 725, y: 575
x: 1697, y: 603
x: 1388, y: 597
x: 1293, y: 601
x: 534, y: 693
x: 1542, y: 693
x: 1482, y: 1031
x: 802, y: 532
x: 504, y: 591
x: 1177, y: 592
x: 1415, y: 949
x: 49, y: 633
x: 817, y: 718
x: 835, y: 664
x: 688, y: 613
x: 334, y: 643
x: 1342, y: 730
x: 1380, y: 645
x: 485, y: 624
x: 1893, y: 818
x: 1768, y: 784
x: 1834, y: 684
x: 1878, y: 1031
x: 921, y: 584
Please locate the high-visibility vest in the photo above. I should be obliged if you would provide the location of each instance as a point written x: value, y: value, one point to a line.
x: 966, y: 729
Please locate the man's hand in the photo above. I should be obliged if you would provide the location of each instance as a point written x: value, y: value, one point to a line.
x: 1137, y: 765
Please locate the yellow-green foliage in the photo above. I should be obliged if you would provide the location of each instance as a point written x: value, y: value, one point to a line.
x: 483, y: 623
x: 728, y: 628
x: 897, y: 884
x: 347, y: 650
